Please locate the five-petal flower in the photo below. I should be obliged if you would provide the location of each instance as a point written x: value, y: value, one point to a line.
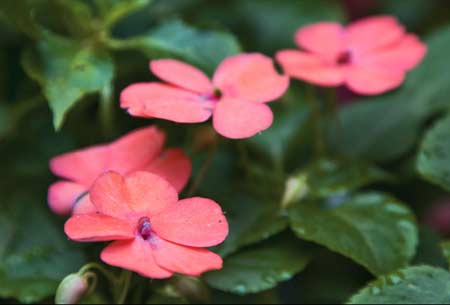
x: 370, y: 56
x: 154, y: 234
x: 235, y: 97
x: 141, y: 149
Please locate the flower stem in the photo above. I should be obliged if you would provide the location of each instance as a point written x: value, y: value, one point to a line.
x: 106, y: 112
x: 126, y: 283
x: 316, y: 120
x: 203, y: 171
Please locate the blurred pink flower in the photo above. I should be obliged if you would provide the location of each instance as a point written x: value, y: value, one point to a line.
x: 370, y: 56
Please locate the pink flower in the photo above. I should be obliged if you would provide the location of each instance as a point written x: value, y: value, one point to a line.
x: 235, y: 97
x: 370, y: 56
x: 141, y: 149
x: 154, y: 234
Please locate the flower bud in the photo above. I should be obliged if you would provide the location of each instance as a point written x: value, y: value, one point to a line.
x: 295, y: 189
x: 191, y: 288
x: 71, y: 289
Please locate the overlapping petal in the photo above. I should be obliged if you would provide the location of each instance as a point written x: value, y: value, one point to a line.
x: 156, y: 100
x: 310, y: 67
x: 149, y: 194
x: 196, y: 222
x: 250, y: 77
x: 135, y: 255
x: 174, y: 166
x: 181, y: 74
x: 237, y: 119
x: 325, y: 38
x: 185, y: 260
x: 98, y: 227
x: 62, y: 196
x: 373, y: 80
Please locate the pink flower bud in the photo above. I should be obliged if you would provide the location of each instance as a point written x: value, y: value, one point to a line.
x: 71, y: 289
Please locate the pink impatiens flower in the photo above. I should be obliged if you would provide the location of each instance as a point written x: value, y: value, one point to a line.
x: 235, y: 97
x: 154, y: 234
x: 370, y: 56
x: 141, y: 150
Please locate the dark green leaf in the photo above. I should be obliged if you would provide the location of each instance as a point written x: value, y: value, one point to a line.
x: 18, y: 13
x: 258, y: 269
x: 34, y: 253
x: 434, y: 154
x: 201, y: 47
x: 413, y: 285
x: 373, y: 229
x: 67, y: 70
x: 113, y: 10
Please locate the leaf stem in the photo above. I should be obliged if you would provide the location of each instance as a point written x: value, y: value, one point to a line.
x: 106, y: 112
x: 126, y: 283
x: 311, y: 98
x: 203, y: 171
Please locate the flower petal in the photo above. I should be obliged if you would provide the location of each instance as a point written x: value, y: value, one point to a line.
x: 135, y: 255
x: 174, y: 166
x: 156, y: 100
x: 84, y: 206
x: 250, y: 77
x: 238, y: 119
x: 184, y: 260
x: 150, y: 193
x: 402, y: 56
x: 182, y: 75
x: 62, y: 196
x: 373, y: 80
x: 373, y: 33
x: 326, y: 38
x: 311, y: 68
x: 82, y: 166
x: 110, y: 196
x: 135, y: 150
x: 196, y: 222
x: 97, y: 227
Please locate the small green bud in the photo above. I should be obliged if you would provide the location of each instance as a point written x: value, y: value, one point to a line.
x: 71, y: 289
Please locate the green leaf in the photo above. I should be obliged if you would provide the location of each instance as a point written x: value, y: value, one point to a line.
x: 281, y: 19
x: 67, y: 70
x: 385, y: 127
x: 112, y: 11
x: 202, y: 47
x: 373, y: 229
x: 413, y: 285
x: 434, y: 154
x: 327, y: 177
x: 18, y: 13
x: 446, y: 250
x: 258, y: 269
x: 34, y: 253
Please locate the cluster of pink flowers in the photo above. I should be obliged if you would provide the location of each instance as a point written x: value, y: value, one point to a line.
x: 127, y: 191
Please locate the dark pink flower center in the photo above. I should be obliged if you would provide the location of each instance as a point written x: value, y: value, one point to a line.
x: 213, y: 96
x: 145, y: 228
x: 344, y: 58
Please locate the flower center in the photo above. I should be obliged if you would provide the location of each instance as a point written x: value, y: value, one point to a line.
x: 344, y: 58
x: 145, y: 228
x: 213, y: 96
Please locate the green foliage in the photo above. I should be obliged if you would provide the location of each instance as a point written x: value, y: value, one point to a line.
x: 413, y: 285
x: 373, y: 229
x: 260, y: 268
x: 386, y: 127
x: 434, y: 155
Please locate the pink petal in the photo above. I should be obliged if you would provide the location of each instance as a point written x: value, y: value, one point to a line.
x: 82, y: 166
x: 97, y: 227
x: 373, y: 80
x: 84, y: 206
x: 174, y: 166
x: 184, y: 260
x: 238, y: 119
x: 135, y: 255
x: 182, y: 75
x: 402, y: 56
x: 156, y: 100
x: 326, y: 38
x: 62, y: 196
x: 250, y: 77
x: 149, y: 193
x: 110, y: 196
x: 311, y: 68
x: 196, y: 222
x: 373, y: 32
x: 135, y: 150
